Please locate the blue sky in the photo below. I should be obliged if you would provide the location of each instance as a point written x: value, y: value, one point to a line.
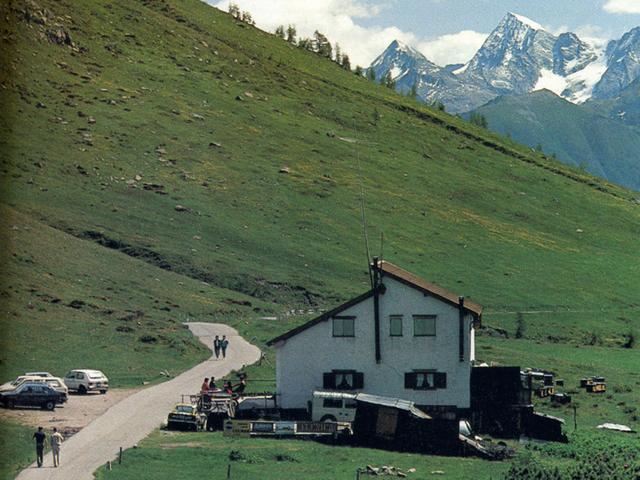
x: 438, y: 17
x: 446, y: 31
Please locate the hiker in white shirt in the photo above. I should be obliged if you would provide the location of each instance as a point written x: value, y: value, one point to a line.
x: 56, y: 440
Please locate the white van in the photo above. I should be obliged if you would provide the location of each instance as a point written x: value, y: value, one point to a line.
x: 333, y: 407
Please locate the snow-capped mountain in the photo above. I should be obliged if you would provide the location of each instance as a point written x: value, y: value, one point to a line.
x: 512, y: 57
x: 518, y: 57
x: 623, y: 65
x: 409, y: 68
x: 570, y: 54
x: 401, y: 60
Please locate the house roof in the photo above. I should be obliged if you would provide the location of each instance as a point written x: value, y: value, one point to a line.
x: 427, y: 287
x: 325, y: 316
x: 397, y: 273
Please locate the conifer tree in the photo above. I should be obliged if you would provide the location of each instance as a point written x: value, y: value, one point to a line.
x: 371, y: 75
x: 234, y: 10
x: 338, y: 54
x: 322, y: 46
x: 291, y: 33
x: 346, y: 63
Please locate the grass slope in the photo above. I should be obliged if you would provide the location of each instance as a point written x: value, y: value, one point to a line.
x: 624, y: 108
x: 146, y: 158
x: 17, y: 448
x: 576, y: 134
x: 188, y: 456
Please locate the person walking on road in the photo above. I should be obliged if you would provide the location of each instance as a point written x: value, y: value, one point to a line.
x: 40, y: 439
x: 224, y: 343
x: 56, y: 440
x: 216, y: 346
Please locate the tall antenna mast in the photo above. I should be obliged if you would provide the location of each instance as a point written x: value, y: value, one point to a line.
x: 363, y: 212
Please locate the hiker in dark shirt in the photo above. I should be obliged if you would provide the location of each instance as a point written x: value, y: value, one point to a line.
x: 212, y: 384
x: 224, y: 343
x: 40, y: 437
x: 216, y: 346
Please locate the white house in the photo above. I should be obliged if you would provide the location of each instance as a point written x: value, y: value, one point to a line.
x: 405, y: 338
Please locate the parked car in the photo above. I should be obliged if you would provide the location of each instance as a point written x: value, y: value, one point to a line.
x: 83, y: 381
x: 333, y: 407
x: 54, y: 382
x: 32, y: 394
x: 38, y: 374
x: 185, y: 416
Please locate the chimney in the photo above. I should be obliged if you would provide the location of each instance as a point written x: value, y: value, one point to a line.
x: 376, y: 306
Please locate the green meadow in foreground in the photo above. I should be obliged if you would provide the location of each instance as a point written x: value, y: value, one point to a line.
x: 188, y: 455
x: 17, y: 449
x: 183, y: 456
x: 174, y: 164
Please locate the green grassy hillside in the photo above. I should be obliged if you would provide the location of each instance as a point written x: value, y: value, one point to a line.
x: 159, y: 105
x: 161, y: 161
x: 624, y: 108
x: 579, y: 135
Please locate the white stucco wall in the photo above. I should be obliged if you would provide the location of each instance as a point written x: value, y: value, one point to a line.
x: 301, y: 360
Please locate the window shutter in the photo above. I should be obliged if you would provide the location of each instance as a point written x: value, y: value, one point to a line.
x: 410, y: 380
x: 328, y: 381
x: 440, y: 379
x: 358, y: 380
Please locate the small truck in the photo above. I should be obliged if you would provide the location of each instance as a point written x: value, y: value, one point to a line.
x: 185, y: 416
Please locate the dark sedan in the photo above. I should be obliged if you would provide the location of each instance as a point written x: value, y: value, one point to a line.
x: 33, y: 395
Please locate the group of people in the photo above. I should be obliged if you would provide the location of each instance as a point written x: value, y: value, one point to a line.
x: 220, y: 346
x: 55, y: 440
x: 209, y: 386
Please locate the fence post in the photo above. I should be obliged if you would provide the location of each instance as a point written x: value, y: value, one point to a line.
x: 120, y: 457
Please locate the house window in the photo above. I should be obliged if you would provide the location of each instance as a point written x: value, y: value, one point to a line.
x: 343, y: 380
x: 395, y: 325
x: 425, y: 380
x: 424, y: 325
x: 344, y: 326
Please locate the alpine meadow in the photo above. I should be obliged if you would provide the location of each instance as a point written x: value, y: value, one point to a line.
x: 162, y: 161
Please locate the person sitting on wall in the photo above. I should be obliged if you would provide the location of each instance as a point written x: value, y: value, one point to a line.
x: 228, y: 387
x: 240, y: 386
x: 204, y: 388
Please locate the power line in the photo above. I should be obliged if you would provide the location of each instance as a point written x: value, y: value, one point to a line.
x: 362, y: 203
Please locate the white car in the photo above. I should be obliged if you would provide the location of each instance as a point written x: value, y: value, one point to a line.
x: 83, y: 381
x: 38, y: 374
x: 54, y: 382
x: 333, y: 407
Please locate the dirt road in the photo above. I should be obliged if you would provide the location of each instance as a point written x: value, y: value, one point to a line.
x: 78, y: 412
x: 132, y: 419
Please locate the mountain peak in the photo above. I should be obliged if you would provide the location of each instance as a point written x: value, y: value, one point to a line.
x: 400, y: 46
x: 523, y: 20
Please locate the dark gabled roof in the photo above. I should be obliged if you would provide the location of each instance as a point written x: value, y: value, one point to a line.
x: 325, y: 316
x: 413, y: 280
x: 393, y: 271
